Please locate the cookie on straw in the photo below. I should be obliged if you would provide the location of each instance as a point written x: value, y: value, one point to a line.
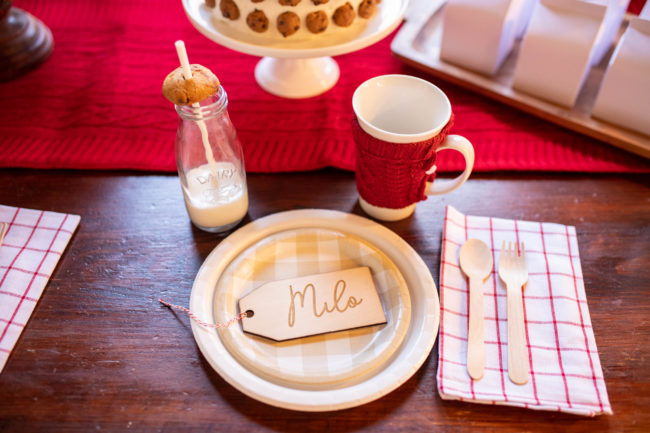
x: 181, y: 91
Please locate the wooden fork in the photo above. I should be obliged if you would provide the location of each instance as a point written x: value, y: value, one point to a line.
x: 514, y: 273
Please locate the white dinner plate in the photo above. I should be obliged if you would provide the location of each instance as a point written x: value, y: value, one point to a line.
x: 385, y: 376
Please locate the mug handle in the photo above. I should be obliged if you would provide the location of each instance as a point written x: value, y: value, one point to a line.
x: 462, y: 145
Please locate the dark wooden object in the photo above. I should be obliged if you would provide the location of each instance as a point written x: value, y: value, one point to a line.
x: 25, y: 42
x: 100, y: 353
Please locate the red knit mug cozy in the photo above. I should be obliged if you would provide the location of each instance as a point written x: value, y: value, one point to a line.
x: 394, y: 175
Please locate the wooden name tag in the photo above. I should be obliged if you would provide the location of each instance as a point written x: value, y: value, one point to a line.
x: 311, y: 305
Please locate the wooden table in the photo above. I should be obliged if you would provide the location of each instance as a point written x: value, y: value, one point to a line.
x: 100, y: 353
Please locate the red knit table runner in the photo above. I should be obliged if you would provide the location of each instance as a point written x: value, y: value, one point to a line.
x: 394, y: 175
x: 97, y: 103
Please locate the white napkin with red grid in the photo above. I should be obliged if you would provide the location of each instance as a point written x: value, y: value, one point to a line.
x: 565, y: 371
x: 29, y: 253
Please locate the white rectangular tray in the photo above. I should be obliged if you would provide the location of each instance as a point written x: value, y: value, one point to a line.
x: 418, y: 44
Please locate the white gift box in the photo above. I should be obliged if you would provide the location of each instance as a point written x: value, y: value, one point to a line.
x: 624, y: 97
x: 525, y: 13
x: 479, y: 34
x: 563, y: 40
x: 612, y: 22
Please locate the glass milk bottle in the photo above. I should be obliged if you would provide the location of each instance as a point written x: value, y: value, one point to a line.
x: 211, y: 165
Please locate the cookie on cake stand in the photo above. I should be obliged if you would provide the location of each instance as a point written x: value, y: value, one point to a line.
x: 299, y: 68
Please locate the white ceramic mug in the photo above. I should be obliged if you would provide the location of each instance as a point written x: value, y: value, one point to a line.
x: 404, y: 109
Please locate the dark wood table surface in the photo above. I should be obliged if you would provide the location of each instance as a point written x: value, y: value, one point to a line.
x: 101, y: 354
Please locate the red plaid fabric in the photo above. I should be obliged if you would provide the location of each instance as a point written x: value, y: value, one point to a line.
x: 565, y: 370
x: 29, y: 253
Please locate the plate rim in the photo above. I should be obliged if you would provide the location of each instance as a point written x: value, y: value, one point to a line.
x: 406, y: 362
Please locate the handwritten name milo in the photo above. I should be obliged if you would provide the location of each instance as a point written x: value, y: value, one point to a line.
x: 337, y: 301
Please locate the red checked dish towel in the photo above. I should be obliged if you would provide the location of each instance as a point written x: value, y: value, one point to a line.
x: 565, y: 371
x: 29, y: 253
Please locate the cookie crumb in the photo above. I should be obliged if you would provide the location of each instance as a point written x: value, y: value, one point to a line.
x: 344, y: 15
x: 257, y: 21
x: 367, y: 8
x: 229, y: 9
x: 317, y: 21
x: 288, y: 23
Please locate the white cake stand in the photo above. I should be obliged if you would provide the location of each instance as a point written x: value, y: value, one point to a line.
x: 298, y: 68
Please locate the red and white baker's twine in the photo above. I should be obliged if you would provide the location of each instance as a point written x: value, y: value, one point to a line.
x: 235, y: 319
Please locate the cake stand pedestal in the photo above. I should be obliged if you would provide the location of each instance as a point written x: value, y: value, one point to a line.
x: 297, y: 78
x: 300, y: 68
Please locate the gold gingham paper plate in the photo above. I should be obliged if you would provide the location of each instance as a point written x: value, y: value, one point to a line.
x: 324, y: 360
x: 380, y: 379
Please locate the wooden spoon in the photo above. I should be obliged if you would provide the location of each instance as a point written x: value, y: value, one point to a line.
x: 3, y: 231
x: 476, y: 262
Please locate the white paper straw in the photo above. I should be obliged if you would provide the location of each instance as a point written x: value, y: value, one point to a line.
x: 182, y: 56
x: 187, y: 74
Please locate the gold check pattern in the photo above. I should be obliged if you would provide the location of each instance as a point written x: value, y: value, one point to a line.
x: 327, y: 360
